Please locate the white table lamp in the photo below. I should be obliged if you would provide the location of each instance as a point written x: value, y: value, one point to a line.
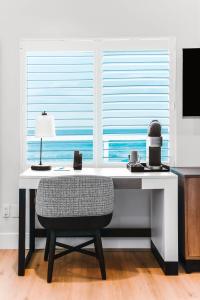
x: 45, y: 127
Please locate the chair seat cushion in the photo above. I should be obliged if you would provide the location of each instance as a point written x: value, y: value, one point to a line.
x: 75, y: 223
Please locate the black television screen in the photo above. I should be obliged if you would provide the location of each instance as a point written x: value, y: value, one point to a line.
x: 191, y: 82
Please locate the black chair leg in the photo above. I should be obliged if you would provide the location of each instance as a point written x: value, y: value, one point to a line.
x: 51, y: 255
x: 46, y: 251
x: 100, y: 256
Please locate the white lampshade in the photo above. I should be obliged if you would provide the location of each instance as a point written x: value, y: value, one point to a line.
x: 45, y: 126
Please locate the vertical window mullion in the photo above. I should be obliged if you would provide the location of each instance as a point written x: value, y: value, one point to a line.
x: 97, y: 134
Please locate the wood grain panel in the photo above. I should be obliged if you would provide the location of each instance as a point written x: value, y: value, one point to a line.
x: 192, y: 218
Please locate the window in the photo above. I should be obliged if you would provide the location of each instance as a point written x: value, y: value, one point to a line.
x: 135, y: 91
x: 102, y: 93
x: 61, y: 83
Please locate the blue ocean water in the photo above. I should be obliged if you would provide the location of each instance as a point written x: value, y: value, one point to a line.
x: 114, y: 150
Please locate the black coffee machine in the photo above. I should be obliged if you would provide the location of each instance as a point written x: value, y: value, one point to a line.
x: 153, y: 146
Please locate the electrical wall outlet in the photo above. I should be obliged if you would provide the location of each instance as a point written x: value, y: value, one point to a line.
x: 6, y: 210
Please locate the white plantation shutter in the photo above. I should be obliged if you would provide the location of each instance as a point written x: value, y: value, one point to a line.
x: 135, y: 91
x: 102, y: 94
x: 61, y: 83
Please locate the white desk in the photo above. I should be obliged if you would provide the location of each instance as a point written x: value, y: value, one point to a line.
x: 164, y: 209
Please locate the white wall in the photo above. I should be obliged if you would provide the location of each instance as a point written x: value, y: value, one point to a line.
x: 88, y: 18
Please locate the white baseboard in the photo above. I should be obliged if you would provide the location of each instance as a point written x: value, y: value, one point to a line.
x: 10, y: 241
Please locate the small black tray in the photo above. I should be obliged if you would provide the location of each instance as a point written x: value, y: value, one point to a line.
x: 131, y: 168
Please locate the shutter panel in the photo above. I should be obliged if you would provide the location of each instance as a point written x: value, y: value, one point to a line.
x: 61, y: 83
x: 135, y: 91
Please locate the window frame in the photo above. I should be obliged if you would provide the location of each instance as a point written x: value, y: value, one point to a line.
x: 98, y: 46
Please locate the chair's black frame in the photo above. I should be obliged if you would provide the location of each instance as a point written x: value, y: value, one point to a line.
x: 51, y: 243
x: 88, y: 226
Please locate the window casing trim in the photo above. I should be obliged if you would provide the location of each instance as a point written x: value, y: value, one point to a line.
x: 98, y: 46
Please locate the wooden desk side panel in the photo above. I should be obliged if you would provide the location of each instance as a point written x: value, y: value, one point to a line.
x: 192, y: 218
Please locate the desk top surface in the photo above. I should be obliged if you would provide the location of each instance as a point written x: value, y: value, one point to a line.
x: 111, y: 172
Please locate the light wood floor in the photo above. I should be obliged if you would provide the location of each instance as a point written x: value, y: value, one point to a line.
x: 130, y: 275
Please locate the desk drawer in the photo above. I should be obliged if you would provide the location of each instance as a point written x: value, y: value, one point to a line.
x: 127, y: 183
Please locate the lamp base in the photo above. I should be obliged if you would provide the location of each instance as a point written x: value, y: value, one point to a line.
x: 40, y: 168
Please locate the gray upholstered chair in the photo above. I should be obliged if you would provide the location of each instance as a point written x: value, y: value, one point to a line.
x: 74, y: 206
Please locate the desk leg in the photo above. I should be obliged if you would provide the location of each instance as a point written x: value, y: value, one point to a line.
x: 164, y: 227
x: 22, y: 231
x: 31, y: 227
x: 32, y: 220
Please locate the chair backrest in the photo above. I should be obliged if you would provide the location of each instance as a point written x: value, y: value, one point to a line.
x: 71, y: 196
